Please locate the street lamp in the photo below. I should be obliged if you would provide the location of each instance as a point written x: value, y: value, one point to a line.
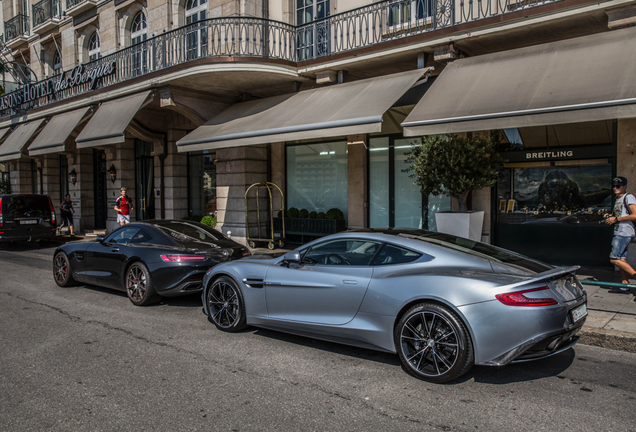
x: 112, y: 173
x: 73, y: 176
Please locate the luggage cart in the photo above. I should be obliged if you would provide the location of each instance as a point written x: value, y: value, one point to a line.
x: 265, y: 233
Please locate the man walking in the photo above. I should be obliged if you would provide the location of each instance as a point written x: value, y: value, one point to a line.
x: 123, y: 207
x: 67, y: 214
x: 622, y: 218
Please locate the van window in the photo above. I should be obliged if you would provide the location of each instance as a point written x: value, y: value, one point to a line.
x: 32, y: 204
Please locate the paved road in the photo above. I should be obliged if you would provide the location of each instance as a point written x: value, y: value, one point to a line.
x: 86, y: 359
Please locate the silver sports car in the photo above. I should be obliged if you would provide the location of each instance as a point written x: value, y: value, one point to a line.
x: 443, y: 303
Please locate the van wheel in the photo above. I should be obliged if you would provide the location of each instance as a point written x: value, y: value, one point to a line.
x: 62, y: 270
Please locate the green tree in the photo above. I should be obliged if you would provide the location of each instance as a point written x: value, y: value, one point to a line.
x: 5, y: 186
x: 454, y: 165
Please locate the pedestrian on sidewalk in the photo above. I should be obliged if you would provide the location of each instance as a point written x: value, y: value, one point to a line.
x: 123, y: 207
x: 67, y: 214
x: 622, y: 218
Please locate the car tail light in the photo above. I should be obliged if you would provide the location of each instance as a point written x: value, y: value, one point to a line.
x: 519, y: 299
x: 182, y: 258
x: 247, y: 253
x: 52, y: 211
x: 1, y: 220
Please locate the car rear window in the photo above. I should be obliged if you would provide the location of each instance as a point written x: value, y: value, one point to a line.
x: 184, y: 232
x: 21, y: 204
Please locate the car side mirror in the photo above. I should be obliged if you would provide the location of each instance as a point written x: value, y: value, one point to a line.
x: 100, y: 238
x: 292, y: 257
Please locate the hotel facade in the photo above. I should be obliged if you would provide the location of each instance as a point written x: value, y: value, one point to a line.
x: 188, y: 103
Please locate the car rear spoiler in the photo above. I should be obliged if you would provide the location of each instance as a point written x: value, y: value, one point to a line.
x: 557, y: 271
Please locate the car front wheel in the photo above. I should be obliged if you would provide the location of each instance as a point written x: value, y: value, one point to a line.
x: 433, y: 343
x: 62, y: 270
x: 225, y: 305
x: 139, y: 286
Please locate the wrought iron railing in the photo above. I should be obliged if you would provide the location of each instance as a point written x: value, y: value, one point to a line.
x: 16, y: 27
x: 46, y: 10
x: 73, y: 3
x: 238, y: 36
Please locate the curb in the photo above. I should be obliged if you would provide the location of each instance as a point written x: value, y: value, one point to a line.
x: 613, y: 339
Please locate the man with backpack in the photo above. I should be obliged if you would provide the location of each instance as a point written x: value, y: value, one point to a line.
x: 123, y: 207
x: 622, y: 218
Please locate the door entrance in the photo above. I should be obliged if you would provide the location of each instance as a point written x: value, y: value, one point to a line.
x: 144, y: 180
x: 99, y: 181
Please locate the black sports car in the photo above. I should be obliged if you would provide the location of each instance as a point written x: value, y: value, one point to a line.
x: 147, y: 259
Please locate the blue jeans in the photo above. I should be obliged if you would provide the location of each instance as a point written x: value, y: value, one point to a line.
x: 619, y: 247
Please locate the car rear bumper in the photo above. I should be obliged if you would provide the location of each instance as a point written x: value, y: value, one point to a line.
x: 31, y: 237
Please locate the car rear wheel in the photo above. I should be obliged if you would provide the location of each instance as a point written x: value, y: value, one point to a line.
x: 225, y: 305
x: 139, y: 286
x: 62, y: 270
x: 433, y: 343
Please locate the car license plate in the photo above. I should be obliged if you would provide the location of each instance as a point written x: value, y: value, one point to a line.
x: 29, y: 222
x: 579, y: 312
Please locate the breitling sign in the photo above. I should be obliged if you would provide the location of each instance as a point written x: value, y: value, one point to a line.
x: 77, y: 76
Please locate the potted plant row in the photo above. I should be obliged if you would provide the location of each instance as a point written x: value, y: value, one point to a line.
x: 303, y: 223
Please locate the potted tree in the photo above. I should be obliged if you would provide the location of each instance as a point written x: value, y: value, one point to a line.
x: 455, y: 165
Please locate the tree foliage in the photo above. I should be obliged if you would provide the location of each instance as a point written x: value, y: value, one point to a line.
x: 454, y: 165
x: 5, y: 186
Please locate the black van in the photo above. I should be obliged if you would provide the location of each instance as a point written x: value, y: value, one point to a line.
x: 26, y: 217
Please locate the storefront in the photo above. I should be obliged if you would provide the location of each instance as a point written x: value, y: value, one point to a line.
x: 553, y: 191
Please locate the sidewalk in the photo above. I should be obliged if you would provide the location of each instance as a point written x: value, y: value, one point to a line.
x: 611, y: 320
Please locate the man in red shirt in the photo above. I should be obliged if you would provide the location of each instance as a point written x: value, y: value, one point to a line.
x: 123, y: 207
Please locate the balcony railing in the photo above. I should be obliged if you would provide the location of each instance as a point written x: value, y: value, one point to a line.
x: 71, y: 3
x: 16, y: 27
x: 239, y: 36
x: 46, y: 10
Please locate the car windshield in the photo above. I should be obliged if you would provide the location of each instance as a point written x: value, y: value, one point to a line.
x: 475, y: 248
x: 185, y: 232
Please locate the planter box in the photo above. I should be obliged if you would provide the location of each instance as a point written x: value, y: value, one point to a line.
x: 467, y: 225
x: 302, y: 230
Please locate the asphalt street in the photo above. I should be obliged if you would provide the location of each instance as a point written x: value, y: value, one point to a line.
x: 86, y: 359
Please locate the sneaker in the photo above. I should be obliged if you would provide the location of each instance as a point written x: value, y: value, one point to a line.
x: 619, y: 290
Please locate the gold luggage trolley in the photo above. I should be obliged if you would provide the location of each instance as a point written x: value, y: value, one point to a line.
x: 275, y: 235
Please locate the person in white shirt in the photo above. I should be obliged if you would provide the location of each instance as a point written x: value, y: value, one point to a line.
x: 622, y: 218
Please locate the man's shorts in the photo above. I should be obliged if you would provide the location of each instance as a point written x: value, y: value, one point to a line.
x: 67, y: 219
x: 123, y: 218
x: 620, y: 245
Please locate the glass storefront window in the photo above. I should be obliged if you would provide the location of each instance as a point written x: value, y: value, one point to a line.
x: 201, y: 184
x: 317, y: 177
x: 394, y: 201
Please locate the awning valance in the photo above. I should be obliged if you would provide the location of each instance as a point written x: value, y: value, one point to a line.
x: 54, y: 135
x: 575, y: 80
x: 12, y: 147
x: 108, y: 125
x: 338, y: 110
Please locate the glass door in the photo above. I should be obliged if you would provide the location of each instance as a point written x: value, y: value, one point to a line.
x: 144, y: 180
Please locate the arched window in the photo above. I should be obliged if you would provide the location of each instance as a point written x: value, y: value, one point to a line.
x: 93, y: 47
x: 138, y: 34
x: 57, y: 63
x: 197, y: 35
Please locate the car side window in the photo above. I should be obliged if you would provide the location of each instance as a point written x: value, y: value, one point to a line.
x: 342, y: 252
x: 122, y: 236
x: 390, y: 254
x: 141, y: 237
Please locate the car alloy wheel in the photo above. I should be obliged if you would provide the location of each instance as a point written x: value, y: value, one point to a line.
x: 139, y: 287
x: 225, y: 305
x: 62, y: 270
x: 433, y: 343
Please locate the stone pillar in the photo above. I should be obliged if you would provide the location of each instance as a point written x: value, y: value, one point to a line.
x: 358, y: 167
x: 83, y: 191
x: 625, y: 149
x: 175, y: 178
x: 20, y: 176
x: 236, y: 170
x: 50, y: 165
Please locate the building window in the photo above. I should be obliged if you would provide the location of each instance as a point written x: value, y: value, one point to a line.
x: 317, y: 177
x: 93, y: 47
x: 394, y: 201
x: 313, y: 40
x: 197, y: 35
x: 57, y: 63
x: 138, y: 34
x: 408, y: 12
x: 201, y: 184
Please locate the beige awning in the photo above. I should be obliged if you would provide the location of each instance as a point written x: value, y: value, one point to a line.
x: 53, y: 137
x: 108, y: 124
x: 12, y: 147
x: 576, y: 80
x: 337, y: 110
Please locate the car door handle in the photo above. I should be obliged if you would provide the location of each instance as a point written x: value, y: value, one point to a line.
x: 350, y: 282
x: 114, y: 250
x: 273, y: 283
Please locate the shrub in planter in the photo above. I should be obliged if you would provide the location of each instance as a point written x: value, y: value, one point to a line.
x: 292, y: 212
x: 209, y: 220
x: 303, y: 214
x: 312, y: 215
x: 334, y: 213
x: 5, y: 187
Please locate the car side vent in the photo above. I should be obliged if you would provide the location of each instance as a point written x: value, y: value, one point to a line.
x: 253, y: 283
